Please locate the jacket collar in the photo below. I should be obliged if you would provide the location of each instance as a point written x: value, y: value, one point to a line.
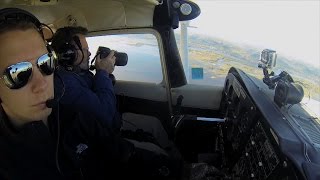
x: 34, y: 127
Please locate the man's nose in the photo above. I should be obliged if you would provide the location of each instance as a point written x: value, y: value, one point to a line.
x: 38, y: 81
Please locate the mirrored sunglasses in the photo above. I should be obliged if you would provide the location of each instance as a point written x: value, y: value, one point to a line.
x: 17, y: 75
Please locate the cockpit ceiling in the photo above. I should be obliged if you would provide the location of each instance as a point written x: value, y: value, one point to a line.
x: 96, y: 15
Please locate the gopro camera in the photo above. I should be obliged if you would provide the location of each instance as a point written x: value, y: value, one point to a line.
x: 268, y: 59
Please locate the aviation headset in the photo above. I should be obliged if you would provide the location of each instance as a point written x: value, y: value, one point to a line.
x: 11, y: 15
x: 8, y: 15
x: 66, y: 44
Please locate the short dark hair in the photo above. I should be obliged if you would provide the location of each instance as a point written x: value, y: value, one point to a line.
x: 65, y: 35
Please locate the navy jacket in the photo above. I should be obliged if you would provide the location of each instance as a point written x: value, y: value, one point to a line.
x: 86, y: 150
x: 87, y: 93
x: 79, y: 148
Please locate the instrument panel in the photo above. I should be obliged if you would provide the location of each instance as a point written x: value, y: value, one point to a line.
x: 259, y: 158
x: 252, y: 147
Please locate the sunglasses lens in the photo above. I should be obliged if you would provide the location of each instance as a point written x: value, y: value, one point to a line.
x: 46, y: 64
x: 17, y: 75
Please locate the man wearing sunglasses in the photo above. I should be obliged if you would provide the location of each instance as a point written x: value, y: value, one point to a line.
x: 84, y: 91
x: 36, y: 142
x: 26, y: 68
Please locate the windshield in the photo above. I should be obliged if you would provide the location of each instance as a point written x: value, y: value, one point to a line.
x: 233, y: 33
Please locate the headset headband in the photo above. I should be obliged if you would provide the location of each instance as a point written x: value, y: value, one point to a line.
x: 16, y: 14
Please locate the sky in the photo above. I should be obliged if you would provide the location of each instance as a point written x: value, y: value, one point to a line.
x: 290, y: 27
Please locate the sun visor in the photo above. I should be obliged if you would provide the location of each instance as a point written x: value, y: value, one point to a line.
x: 139, y: 12
x: 120, y: 14
x: 95, y: 15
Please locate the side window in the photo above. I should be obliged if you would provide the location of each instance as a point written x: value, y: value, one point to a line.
x: 201, y: 63
x: 144, y: 63
x: 228, y: 34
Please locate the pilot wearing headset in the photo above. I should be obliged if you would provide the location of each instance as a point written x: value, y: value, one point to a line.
x: 94, y: 94
x: 84, y: 91
x: 35, y: 141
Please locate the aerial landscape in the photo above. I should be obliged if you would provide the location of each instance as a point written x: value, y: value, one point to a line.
x: 218, y: 56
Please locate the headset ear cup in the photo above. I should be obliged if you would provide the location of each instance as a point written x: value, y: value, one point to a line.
x: 68, y: 55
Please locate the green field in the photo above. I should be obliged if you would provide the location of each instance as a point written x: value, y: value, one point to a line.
x: 207, y: 49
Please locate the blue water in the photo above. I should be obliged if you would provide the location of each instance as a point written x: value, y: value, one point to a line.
x: 144, y: 64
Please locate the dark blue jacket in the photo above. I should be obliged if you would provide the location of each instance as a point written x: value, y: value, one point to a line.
x: 86, y: 149
x: 77, y: 148
x: 87, y: 93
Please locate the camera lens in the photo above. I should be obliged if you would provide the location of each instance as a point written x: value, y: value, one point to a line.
x: 121, y: 58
